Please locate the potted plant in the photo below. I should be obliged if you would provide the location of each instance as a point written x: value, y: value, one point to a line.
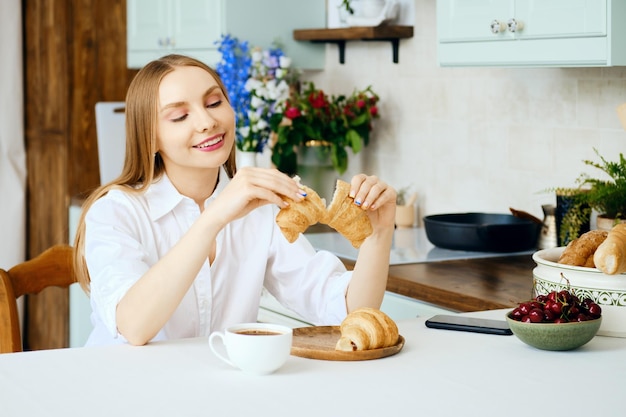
x: 405, y: 207
x: 331, y: 124
x: 347, y: 6
x: 607, y: 196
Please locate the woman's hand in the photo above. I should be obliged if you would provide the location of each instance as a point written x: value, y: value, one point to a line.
x: 377, y: 198
x: 251, y: 188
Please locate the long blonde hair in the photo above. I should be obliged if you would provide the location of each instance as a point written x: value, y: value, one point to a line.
x: 142, y: 165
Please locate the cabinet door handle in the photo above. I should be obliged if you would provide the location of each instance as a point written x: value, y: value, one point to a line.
x: 497, y: 26
x: 515, y: 25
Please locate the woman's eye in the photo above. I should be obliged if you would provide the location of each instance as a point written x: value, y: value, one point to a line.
x: 214, y: 104
x: 179, y: 119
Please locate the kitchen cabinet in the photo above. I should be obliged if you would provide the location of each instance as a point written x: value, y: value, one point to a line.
x: 531, y: 33
x: 191, y: 27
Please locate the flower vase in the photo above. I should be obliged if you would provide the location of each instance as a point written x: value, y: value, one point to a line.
x: 405, y: 216
x: 316, y: 170
x: 565, y: 206
x: 246, y: 159
x: 606, y: 223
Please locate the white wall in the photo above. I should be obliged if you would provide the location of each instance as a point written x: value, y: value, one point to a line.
x: 478, y: 139
x: 12, y: 155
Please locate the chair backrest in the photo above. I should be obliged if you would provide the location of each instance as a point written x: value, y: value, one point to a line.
x: 111, y: 139
x: 54, y: 267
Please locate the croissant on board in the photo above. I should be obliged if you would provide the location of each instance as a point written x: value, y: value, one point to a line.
x: 367, y: 328
x: 610, y: 257
x: 580, y: 251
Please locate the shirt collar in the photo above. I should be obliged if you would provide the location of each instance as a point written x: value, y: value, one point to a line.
x: 163, y: 197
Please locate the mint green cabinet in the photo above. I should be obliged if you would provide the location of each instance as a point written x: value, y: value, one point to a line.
x: 191, y: 27
x: 532, y: 33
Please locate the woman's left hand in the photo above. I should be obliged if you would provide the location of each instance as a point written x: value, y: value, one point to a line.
x: 377, y: 198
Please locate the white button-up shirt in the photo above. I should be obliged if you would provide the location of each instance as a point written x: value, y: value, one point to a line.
x: 127, y: 233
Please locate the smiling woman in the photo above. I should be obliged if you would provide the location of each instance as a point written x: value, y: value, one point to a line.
x: 165, y: 249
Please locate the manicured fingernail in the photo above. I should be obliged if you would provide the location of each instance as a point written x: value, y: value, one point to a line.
x: 352, y: 194
x: 357, y: 202
x: 302, y: 193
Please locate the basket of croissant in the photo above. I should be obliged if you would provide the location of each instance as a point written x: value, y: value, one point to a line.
x: 593, y: 266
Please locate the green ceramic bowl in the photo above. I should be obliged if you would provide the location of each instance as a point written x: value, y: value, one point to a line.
x: 555, y: 336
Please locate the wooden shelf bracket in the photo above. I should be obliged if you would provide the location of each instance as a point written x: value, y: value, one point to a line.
x: 340, y: 36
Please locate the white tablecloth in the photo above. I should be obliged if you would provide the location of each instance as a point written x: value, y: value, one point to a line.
x: 438, y: 373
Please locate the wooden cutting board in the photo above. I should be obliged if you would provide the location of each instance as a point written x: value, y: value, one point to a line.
x: 318, y: 342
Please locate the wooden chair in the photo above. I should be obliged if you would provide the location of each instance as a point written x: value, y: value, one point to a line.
x: 53, y: 267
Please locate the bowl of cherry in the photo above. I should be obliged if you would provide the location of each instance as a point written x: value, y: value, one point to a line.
x: 558, y: 320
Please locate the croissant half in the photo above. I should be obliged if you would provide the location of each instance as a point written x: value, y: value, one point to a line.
x: 367, y: 328
x: 298, y: 216
x: 610, y: 257
x: 346, y: 217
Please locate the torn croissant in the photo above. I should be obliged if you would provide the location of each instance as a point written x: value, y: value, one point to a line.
x: 367, y: 328
x: 299, y: 215
x: 342, y: 215
x: 346, y: 217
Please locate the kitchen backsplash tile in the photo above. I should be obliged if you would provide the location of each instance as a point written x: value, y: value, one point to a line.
x: 477, y: 138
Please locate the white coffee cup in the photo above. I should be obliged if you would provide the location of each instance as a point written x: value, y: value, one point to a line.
x: 255, y: 348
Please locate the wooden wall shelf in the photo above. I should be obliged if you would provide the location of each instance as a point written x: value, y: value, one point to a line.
x: 340, y: 36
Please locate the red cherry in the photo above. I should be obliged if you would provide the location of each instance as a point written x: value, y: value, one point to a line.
x: 536, y: 315
x: 548, y: 315
x: 525, y: 308
x: 556, y: 308
x: 595, y: 310
x: 516, y: 314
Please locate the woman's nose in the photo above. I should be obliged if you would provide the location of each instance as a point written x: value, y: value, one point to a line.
x: 205, y: 121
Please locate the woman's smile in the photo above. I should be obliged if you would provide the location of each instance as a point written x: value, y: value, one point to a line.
x: 211, y: 144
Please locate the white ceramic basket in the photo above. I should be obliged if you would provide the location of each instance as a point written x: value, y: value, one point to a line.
x: 609, y: 291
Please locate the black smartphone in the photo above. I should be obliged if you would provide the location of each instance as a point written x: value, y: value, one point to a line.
x: 469, y: 324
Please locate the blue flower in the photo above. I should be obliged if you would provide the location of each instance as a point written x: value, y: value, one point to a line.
x: 256, y: 79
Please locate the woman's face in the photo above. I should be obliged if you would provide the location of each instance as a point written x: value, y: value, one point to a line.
x: 196, y: 124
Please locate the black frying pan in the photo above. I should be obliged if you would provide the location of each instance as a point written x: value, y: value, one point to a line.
x: 483, y: 232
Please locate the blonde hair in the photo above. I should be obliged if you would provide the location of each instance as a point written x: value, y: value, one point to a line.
x: 142, y: 164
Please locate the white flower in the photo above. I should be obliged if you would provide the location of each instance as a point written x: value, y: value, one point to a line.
x: 257, y: 55
x: 261, y: 124
x: 256, y: 102
x: 244, y: 131
x: 284, y: 62
x: 252, y: 84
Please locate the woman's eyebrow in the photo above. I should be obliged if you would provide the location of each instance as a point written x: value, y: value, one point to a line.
x: 182, y: 103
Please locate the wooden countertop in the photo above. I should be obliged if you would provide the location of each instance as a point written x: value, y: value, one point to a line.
x: 462, y: 285
x: 465, y: 285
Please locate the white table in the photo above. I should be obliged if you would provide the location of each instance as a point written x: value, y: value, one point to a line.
x: 438, y: 373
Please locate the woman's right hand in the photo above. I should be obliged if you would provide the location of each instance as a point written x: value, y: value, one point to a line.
x: 251, y: 188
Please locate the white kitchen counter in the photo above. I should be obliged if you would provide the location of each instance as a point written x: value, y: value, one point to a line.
x: 409, y: 246
x: 438, y: 373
